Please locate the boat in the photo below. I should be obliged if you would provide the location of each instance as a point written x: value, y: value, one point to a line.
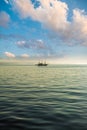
x: 42, y: 64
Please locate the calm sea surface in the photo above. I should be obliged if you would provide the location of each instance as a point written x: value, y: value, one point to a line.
x: 43, y: 98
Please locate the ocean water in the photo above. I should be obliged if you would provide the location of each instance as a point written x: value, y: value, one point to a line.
x: 43, y: 98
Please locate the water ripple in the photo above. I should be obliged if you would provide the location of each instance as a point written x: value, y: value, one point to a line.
x: 52, y: 98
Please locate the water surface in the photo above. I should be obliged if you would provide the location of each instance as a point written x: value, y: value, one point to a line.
x: 43, y: 98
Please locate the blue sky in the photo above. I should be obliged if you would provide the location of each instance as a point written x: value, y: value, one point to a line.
x: 55, y: 30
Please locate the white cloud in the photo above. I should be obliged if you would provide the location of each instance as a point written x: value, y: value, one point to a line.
x: 37, y: 45
x: 80, y: 25
x: 45, y: 13
x: 23, y: 7
x: 53, y: 14
x: 76, y: 32
x: 6, y: 1
x: 9, y: 54
x: 34, y: 44
x: 25, y: 56
x: 4, y: 19
x: 22, y: 44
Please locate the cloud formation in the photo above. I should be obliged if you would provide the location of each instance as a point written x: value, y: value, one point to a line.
x: 53, y: 14
x: 4, y: 19
x: 48, y: 12
x: 9, y: 54
x: 80, y: 26
x: 25, y: 56
x: 32, y: 44
x: 38, y: 46
x: 76, y: 32
x: 6, y: 1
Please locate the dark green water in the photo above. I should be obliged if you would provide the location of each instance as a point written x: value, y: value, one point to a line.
x: 43, y: 98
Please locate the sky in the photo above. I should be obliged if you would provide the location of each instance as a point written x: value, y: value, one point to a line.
x: 52, y: 30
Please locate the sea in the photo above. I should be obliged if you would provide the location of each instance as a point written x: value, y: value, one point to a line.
x: 52, y: 97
